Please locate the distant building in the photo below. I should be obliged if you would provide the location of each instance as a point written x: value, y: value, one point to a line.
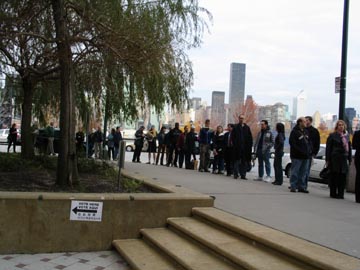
x: 299, y: 105
x: 218, y: 108
x: 273, y: 114
x: 195, y: 103
x: 350, y: 114
x: 316, y: 119
x: 237, y: 87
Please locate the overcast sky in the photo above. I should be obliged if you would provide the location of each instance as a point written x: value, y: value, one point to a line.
x: 287, y: 46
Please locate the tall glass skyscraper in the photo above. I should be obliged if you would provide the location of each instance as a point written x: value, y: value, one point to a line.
x: 237, y: 89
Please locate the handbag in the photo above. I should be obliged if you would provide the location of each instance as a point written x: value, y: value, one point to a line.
x: 325, y: 173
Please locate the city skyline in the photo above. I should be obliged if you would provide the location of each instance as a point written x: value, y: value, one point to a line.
x: 286, y: 46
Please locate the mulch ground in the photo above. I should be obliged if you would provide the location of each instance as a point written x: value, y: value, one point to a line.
x: 45, y: 181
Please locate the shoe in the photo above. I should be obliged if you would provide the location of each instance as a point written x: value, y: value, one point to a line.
x: 292, y: 190
x: 214, y: 171
x: 175, y: 165
x: 236, y: 177
x: 244, y: 178
x: 303, y: 191
x: 267, y: 179
x: 134, y: 161
x: 168, y: 165
x: 201, y: 170
x: 206, y: 171
x: 276, y: 183
x: 259, y: 179
x: 221, y: 172
x: 228, y: 174
x: 148, y: 162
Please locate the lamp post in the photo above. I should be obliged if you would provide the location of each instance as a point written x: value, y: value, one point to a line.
x: 344, y: 61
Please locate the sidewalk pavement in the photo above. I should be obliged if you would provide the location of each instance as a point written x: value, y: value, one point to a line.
x: 315, y: 216
x: 103, y: 260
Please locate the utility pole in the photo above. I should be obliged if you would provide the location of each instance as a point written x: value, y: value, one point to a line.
x: 344, y: 61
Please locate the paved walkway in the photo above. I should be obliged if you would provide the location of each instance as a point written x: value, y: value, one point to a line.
x: 315, y: 217
x: 103, y: 260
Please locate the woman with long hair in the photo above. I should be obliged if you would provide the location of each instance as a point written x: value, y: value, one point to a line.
x: 279, y: 153
x: 338, y: 159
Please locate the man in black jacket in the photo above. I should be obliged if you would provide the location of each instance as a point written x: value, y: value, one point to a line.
x: 356, y: 145
x: 300, y: 153
x: 314, y: 137
x: 242, y: 141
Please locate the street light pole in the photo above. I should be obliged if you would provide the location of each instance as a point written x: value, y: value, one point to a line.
x: 344, y: 61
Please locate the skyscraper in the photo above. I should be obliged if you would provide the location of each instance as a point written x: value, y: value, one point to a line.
x: 237, y: 88
x: 299, y: 105
x: 218, y: 108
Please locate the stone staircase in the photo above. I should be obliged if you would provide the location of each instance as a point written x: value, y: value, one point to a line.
x: 214, y: 239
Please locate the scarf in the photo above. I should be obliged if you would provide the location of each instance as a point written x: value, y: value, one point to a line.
x: 344, y: 141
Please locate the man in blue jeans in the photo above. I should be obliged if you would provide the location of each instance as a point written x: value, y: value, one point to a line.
x: 300, y: 154
x: 263, y: 144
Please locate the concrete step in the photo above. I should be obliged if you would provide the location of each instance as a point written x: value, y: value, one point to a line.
x: 141, y: 256
x: 301, y: 250
x: 185, y: 252
x: 240, y: 250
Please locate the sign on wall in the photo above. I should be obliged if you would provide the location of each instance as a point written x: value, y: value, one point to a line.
x: 86, y: 211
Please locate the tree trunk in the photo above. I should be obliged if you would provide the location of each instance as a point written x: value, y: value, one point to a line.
x: 67, y: 154
x: 27, y: 139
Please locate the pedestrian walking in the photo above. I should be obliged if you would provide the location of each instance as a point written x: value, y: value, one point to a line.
x: 356, y: 146
x: 205, y: 138
x: 12, y: 138
x: 338, y: 159
x: 279, y: 153
x: 263, y: 144
x: 300, y: 152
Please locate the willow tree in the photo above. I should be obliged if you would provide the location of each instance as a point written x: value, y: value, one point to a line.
x: 139, y: 47
x: 27, y: 48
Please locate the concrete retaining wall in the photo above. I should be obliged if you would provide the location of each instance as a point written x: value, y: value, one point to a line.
x: 40, y: 222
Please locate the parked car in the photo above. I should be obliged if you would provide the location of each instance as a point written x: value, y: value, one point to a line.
x: 4, y: 133
x: 130, y: 145
x: 316, y: 167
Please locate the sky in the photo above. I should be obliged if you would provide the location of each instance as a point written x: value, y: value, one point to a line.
x: 287, y: 46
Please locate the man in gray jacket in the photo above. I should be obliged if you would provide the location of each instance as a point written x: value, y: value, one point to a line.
x: 264, y: 142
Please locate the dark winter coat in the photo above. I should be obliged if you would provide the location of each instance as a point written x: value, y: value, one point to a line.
x: 336, y: 156
x: 242, y: 142
x: 279, y: 144
x: 218, y: 143
x: 300, y: 146
x: 314, y: 137
x: 190, y: 142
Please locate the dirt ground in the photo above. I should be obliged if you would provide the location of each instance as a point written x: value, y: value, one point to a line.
x: 45, y: 181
